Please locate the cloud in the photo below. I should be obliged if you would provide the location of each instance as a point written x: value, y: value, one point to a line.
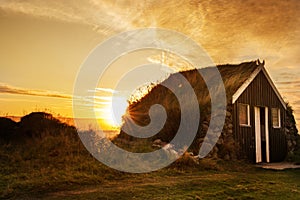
x: 103, y: 17
x: 103, y: 98
x: 171, y: 62
x: 289, y: 83
x: 16, y: 100
x: 106, y: 90
x: 7, y: 89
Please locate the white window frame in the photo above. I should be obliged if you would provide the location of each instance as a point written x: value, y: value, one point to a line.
x: 248, y: 114
x: 279, y: 119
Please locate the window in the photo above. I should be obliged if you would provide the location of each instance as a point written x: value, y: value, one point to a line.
x: 244, y: 114
x: 276, y: 117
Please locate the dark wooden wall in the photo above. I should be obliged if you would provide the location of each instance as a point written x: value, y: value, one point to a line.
x: 260, y: 93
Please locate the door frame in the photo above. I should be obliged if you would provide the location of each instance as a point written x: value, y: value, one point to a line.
x: 258, y: 151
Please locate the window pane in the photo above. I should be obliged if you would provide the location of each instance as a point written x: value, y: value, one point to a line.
x: 275, y: 117
x: 243, y: 115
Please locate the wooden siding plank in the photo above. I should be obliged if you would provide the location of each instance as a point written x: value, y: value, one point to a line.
x: 260, y: 93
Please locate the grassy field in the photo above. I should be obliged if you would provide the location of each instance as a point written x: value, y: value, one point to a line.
x: 57, y: 167
x: 171, y: 184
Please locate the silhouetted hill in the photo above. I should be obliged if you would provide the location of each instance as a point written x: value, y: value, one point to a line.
x: 7, y: 128
x: 33, y: 125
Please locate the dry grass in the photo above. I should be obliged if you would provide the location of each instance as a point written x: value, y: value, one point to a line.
x: 59, y: 167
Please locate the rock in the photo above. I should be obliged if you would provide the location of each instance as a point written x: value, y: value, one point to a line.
x: 205, y: 127
x: 230, y: 139
x: 205, y: 122
x: 200, y: 140
x: 226, y: 157
x: 220, y: 141
x: 157, y: 141
x: 228, y: 114
x: 214, y: 155
x: 168, y: 146
x: 225, y: 126
x: 208, y: 118
x: 233, y: 156
x: 215, y: 149
x: 228, y: 120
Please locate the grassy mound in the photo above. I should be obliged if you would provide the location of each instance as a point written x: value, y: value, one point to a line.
x: 55, y: 165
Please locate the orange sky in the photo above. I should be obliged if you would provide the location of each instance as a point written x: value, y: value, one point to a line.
x: 44, y: 43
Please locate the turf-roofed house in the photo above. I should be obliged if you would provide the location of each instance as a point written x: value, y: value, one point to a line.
x: 256, y: 115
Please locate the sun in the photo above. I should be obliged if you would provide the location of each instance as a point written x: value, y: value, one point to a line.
x: 117, y: 109
x: 111, y: 111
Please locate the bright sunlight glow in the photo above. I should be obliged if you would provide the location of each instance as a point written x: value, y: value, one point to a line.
x: 112, y: 111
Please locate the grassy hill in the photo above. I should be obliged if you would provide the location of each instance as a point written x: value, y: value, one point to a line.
x: 32, y: 126
x: 50, y: 162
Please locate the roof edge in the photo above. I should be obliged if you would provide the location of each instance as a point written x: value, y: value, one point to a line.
x: 243, y: 87
x: 274, y: 87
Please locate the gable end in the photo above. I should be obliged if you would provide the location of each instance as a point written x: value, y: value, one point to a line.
x: 244, y: 86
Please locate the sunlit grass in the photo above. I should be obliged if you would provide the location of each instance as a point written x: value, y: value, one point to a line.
x: 56, y: 167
